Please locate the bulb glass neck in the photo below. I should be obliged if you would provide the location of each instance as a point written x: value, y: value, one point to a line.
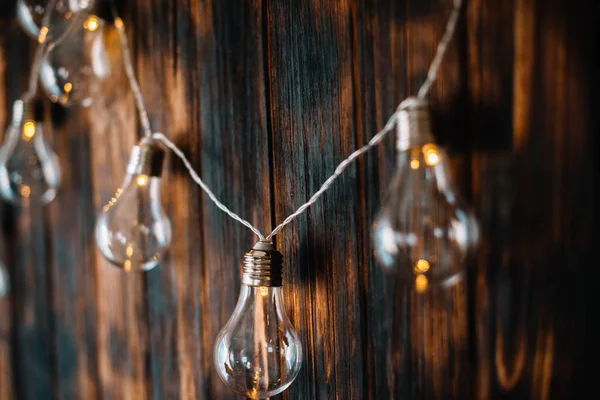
x: 146, y: 159
x: 263, y: 266
x: 413, y: 128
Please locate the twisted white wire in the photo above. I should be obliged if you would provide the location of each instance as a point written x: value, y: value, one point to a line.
x: 161, y: 137
x: 423, y: 91
x: 338, y: 171
x: 441, y: 50
x: 128, y: 64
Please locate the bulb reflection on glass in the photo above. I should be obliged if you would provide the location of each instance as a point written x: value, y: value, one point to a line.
x: 423, y: 233
x: 258, y: 353
x: 30, y: 14
x: 29, y: 169
x: 3, y: 280
x: 75, y: 70
x: 133, y: 231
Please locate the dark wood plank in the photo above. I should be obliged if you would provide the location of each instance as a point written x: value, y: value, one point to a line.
x: 234, y: 156
x: 25, y: 228
x: 380, y: 35
x: 531, y: 273
x: 433, y: 353
x: 311, y: 75
x: 6, y: 302
x: 121, y: 314
x: 499, y: 277
x: 558, y: 152
x: 6, y: 368
x: 72, y: 255
x: 181, y: 344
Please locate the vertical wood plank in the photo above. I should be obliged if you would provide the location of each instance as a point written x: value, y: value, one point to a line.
x: 574, y: 335
x: 434, y: 352
x: 178, y: 357
x: 71, y: 262
x: 380, y: 87
x: 234, y: 158
x: 122, y: 320
x: 6, y: 368
x: 558, y: 153
x: 31, y: 341
x: 530, y: 275
x: 311, y: 79
x: 501, y: 276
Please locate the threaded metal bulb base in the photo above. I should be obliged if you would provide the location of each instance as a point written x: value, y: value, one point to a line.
x: 22, y: 111
x: 147, y: 159
x: 263, y: 266
x: 413, y: 128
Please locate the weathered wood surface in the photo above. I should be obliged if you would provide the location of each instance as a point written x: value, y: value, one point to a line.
x: 265, y: 98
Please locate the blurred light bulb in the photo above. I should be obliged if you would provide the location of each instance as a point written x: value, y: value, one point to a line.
x: 75, y: 70
x: 133, y: 232
x: 29, y: 169
x: 258, y: 353
x: 4, y: 285
x: 30, y: 14
x: 423, y: 233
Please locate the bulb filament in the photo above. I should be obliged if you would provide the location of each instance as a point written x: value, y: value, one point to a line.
x: 28, y: 130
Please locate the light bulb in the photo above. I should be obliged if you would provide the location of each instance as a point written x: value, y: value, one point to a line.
x: 29, y: 169
x: 74, y: 71
x: 258, y: 353
x: 133, y: 231
x: 423, y: 233
x: 3, y: 280
x: 30, y: 14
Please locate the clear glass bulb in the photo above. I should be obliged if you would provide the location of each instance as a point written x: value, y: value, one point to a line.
x: 4, y: 285
x: 74, y: 71
x: 258, y: 353
x: 29, y: 169
x: 30, y: 14
x: 133, y: 231
x: 423, y: 233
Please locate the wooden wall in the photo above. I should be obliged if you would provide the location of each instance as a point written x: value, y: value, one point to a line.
x: 266, y: 97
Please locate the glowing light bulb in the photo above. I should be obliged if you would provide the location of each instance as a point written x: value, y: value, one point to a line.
x: 258, y: 353
x: 133, y: 231
x: 74, y: 71
x: 29, y: 169
x: 423, y: 233
x: 4, y: 285
x: 30, y: 15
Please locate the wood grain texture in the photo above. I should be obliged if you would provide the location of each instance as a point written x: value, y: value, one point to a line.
x: 313, y: 128
x: 266, y: 98
x: 379, y: 35
x: 31, y: 333
x: 530, y: 284
x: 6, y: 367
x: 122, y: 320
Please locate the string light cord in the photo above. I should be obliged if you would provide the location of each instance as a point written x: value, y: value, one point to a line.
x: 441, y: 50
x: 389, y: 126
x: 161, y: 137
x: 423, y: 91
x: 128, y: 64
